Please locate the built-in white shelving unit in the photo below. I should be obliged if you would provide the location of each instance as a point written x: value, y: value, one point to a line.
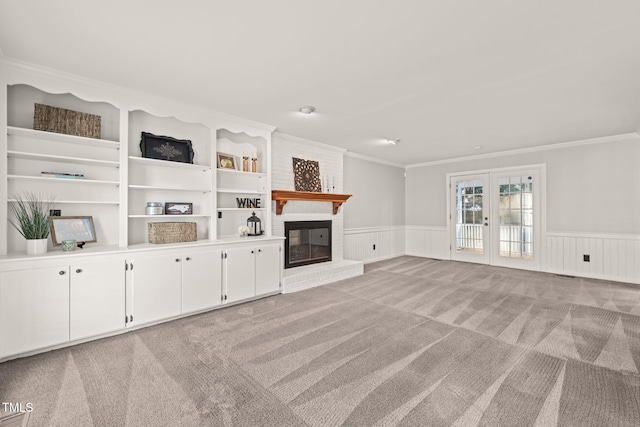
x: 117, y: 181
x: 96, y: 290
x: 30, y: 152
x: 236, y: 185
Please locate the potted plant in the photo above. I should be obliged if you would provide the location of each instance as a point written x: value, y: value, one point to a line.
x: 31, y: 212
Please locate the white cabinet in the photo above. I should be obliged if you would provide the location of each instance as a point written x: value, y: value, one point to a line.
x: 45, y: 306
x: 34, y: 309
x: 251, y: 271
x: 201, y: 280
x: 97, y: 297
x: 154, y: 287
x: 165, y: 284
x: 268, y: 263
x: 240, y: 273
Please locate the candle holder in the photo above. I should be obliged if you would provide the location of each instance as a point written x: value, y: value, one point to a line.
x: 245, y: 162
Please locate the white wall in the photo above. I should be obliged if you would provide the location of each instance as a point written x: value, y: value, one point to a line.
x: 374, y: 216
x: 592, y: 188
x: 378, y: 194
x: 592, y: 205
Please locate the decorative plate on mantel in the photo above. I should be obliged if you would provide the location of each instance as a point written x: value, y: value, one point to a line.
x: 306, y: 175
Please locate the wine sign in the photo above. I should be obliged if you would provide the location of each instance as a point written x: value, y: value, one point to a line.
x: 248, y: 203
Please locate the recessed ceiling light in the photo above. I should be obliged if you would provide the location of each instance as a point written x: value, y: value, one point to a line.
x: 307, y: 109
x: 394, y: 141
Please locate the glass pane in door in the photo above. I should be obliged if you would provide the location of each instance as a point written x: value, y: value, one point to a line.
x: 469, y: 217
x: 516, y: 217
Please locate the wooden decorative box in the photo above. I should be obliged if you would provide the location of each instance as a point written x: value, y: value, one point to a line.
x: 172, y: 232
x: 60, y: 120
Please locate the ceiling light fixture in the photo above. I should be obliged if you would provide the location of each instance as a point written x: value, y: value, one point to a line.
x: 307, y: 109
x: 394, y: 141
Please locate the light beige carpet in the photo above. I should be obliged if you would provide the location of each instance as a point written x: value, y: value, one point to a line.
x: 412, y: 342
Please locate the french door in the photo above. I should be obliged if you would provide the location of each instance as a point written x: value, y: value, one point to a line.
x: 496, y: 217
x: 470, y: 218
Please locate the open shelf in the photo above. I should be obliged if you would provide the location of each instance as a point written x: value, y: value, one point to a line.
x: 237, y: 172
x: 65, y: 180
x: 155, y: 187
x: 79, y: 202
x: 242, y: 209
x: 241, y: 191
x: 55, y: 158
x: 60, y: 137
x: 168, y: 164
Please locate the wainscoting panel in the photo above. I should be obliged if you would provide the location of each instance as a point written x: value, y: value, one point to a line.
x: 430, y: 242
x: 359, y: 243
x: 611, y: 257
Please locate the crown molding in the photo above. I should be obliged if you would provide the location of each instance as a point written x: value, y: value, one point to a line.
x: 599, y: 140
x: 298, y: 140
x: 373, y: 159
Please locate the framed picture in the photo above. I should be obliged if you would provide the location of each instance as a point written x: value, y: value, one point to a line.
x: 166, y: 148
x: 175, y: 208
x: 226, y: 161
x: 78, y: 228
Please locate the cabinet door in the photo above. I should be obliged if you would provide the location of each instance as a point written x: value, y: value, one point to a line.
x: 240, y: 274
x: 267, y: 269
x: 201, y: 280
x: 156, y: 287
x: 97, y: 298
x: 34, y: 309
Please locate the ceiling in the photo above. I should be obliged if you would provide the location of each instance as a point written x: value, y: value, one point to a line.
x: 445, y: 77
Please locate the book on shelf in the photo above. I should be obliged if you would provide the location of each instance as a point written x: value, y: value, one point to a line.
x: 67, y: 175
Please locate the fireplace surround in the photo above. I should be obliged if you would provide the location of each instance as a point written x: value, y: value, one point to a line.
x: 307, y: 242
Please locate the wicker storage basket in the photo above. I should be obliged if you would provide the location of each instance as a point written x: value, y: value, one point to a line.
x: 172, y: 232
x: 59, y: 120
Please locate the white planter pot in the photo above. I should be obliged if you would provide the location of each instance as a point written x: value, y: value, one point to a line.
x: 36, y: 246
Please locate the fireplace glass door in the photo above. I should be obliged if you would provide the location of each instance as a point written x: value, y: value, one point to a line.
x: 308, y: 242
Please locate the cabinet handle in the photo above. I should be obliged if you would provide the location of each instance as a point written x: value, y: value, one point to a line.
x: 177, y: 259
x: 188, y: 259
x: 79, y: 270
x: 259, y: 250
x: 251, y: 251
x: 62, y: 272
